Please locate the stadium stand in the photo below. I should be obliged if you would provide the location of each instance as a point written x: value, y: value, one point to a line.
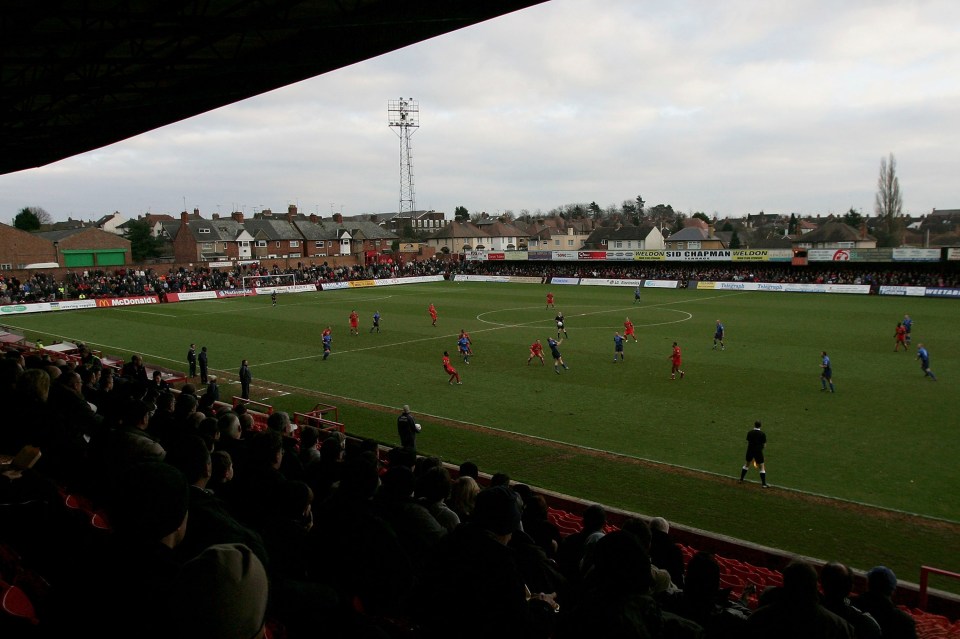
x: 373, y: 565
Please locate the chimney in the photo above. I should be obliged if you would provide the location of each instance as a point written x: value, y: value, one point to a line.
x: 314, y: 218
x: 291, y: 215
x: 338, y: 218
x: 711, y: 230
x: 237, y: 217
x: 292, y: 209
x: 183, y: 217
x: 196, y: 212
x: 863, y: 230
x: 215, y: 216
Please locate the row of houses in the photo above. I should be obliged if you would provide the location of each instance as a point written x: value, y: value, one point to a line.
x: 233, y: 238
x: 266, y: 235
x: 555, y: 234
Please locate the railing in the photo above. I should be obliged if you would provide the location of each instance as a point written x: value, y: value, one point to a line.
x: 925, y: 572
x: 267, y: 408
x: 317, y: 421
x: 323, y: 410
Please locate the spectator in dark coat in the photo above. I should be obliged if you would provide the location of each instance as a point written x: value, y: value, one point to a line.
x: 877, y: 601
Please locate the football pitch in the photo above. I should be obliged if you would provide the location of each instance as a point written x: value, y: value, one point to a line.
x: 880, y: 453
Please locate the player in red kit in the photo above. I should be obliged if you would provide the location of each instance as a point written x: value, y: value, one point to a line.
x: 628, y: 330
x: 450, y: 370
x: 536, y: 350
x: 433, y: 314
x: 550, y: 300
x: 354, y: 323
x: 675, y: 359
x: 901, y: 337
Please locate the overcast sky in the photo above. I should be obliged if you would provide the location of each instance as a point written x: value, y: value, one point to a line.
x: 730, y: 107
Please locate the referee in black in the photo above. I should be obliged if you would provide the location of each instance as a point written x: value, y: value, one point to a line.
x: 756, y: 440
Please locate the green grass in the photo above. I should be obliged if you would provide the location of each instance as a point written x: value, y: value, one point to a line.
x: 886, y: 439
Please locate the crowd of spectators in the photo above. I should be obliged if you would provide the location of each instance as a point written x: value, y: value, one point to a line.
x: 934, y: 275
x: 41, y: 287
x: 219, y: 530
x: 124, y: 282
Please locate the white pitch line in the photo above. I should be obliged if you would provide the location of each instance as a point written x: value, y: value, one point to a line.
x: 130, y: 310
x: 319, y: 302
x: 496, y: 327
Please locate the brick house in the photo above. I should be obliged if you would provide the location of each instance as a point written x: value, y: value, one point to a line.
x: 214, y: 240
x: 275, y: 237
x: 832, y: 235
x: 336, y: 236
x: 19, y: 248
x: 88, y: 247
x: 458, y: 237
x: 694, y: 238
x: 646, y: 237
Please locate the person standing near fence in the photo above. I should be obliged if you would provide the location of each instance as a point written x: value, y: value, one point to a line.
x: 202, y: 360
x: 756, y: 441
x: 407, y: 428
x: 245, y: 378
x: 192, y: 360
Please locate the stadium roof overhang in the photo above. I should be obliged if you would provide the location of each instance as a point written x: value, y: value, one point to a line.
x: 81, y: 74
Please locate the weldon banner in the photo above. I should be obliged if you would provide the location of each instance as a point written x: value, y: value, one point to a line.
x: 617, y: 255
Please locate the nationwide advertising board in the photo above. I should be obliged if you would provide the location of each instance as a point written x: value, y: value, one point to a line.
x: 916, y: 255
x: 778, y: 287
x: 661, y: 284
x: 601, y: 281
x: 909, y: 291
x: 42, y: 307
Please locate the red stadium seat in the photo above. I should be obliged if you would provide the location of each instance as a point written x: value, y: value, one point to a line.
x: 15, y: 602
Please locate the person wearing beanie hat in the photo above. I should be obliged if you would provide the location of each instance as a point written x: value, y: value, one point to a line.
x: 221, y: 594
x: 878, y: 602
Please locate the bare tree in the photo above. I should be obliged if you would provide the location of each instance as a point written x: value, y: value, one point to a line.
x: 42, y: 215
x: 889, y: 203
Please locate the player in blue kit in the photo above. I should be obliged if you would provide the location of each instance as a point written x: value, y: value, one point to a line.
x: 617, y: 347
x: 557, y: 357
x: 826, y: 372
x: 718, y: 336
x: 907, y: 326
x: 924, y: 358
x: 327, y: 342
x: 463, y: 344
